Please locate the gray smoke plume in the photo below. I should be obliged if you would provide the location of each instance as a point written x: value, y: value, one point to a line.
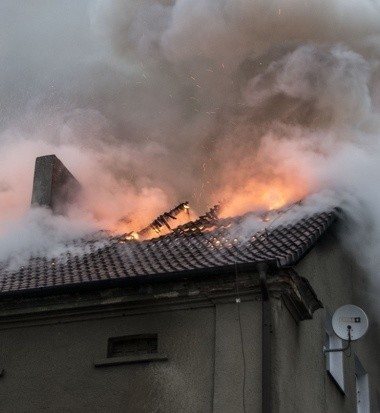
x: 153, y: 102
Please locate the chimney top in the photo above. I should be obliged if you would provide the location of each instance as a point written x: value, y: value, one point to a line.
x: 53, y: 186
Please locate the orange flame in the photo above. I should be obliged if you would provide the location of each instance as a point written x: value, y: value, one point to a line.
x: 256, y: 195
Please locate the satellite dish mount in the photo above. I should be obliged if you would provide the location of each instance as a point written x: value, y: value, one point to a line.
x: 349, y: 323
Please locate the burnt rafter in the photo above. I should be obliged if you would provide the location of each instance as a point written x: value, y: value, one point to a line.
x: 206, y: 221
x: 156, y: 225
x: 164, y: 219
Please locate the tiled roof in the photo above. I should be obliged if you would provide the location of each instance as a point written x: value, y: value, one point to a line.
x: 203, y: 245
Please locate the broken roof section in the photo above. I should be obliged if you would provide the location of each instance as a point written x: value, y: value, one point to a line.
x: 219, y: 246
x: 204, y: 246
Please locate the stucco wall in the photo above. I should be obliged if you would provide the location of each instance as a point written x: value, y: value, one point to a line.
x: 238, y: 358
x: 50, y: 367
x: 301, y: 381
x: 213, y: 346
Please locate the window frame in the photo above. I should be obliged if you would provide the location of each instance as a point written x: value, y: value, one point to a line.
x: 132, y: 357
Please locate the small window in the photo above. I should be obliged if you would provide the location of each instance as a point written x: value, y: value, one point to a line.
x: 132, y: 345
x: 142, y: 348
x: 362, y: 388
x: 334, y: 360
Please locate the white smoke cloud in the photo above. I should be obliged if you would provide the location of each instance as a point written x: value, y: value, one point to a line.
x: 154, y: 102
x: 38, y: 232
x: 334, y: 79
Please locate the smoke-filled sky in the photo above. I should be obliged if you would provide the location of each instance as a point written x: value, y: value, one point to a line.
x: 153, y: 102
x: 150, y: 103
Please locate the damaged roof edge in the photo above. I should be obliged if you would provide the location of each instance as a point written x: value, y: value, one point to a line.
x: 298, y: 295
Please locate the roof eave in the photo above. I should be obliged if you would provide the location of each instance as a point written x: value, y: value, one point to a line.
x: 141, y: 279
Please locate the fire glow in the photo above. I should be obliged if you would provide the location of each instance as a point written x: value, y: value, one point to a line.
x: 254, y: 196
x: 263, y: 196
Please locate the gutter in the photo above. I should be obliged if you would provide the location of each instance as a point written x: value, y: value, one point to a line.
x: 266, y: 351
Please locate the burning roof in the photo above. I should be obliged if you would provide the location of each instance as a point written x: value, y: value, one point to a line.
x: 208, y: 244
x: 173, y: 245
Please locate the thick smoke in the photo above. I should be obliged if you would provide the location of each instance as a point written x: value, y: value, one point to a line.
x: 150, y: 103
x: 40, y: 232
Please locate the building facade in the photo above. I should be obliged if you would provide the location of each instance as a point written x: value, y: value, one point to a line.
x: 209, y: 318
x: 191, y: 341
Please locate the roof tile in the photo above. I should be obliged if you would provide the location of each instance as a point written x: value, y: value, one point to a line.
x: 182, y: 250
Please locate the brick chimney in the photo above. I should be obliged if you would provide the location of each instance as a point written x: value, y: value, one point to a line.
x: 53, y: 186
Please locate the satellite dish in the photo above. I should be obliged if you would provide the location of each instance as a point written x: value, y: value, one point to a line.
x: 350, y: 322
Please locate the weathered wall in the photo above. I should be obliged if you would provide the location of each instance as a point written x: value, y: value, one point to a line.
x: 238, y: 358
x: 213, y: 346
x: 301, y: 381
x: 50, y: 367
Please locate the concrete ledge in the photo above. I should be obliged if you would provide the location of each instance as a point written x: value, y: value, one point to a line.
x: 140, y: 358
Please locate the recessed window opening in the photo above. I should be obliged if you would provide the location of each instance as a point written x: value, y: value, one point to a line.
x: 132, y: 345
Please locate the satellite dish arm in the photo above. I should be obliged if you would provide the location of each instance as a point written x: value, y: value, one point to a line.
x: 325, y: 350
